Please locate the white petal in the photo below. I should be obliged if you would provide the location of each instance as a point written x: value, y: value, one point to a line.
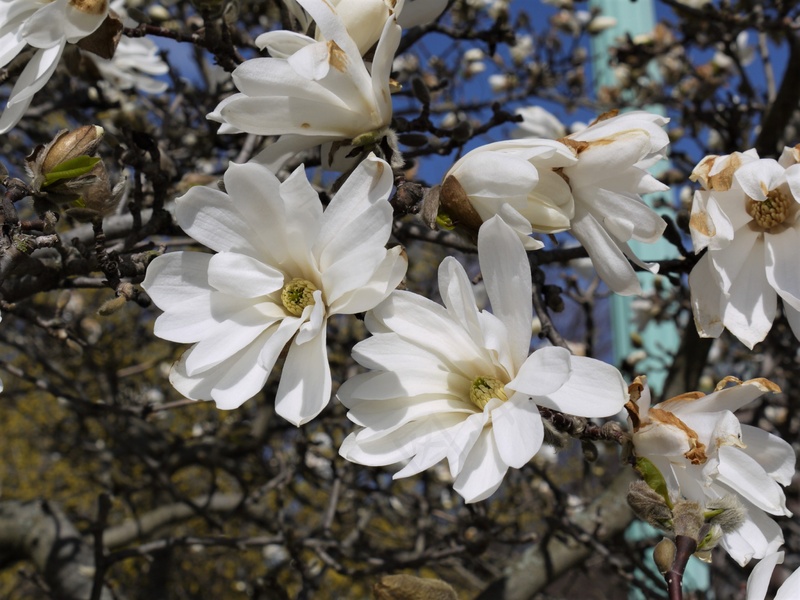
x: 498, y: 177
x: 305, y: 387
x: 609, y: 261
x: 758, y: 582
x: 507, y: 275
x: 748, y: 478
x: 752, y: 303
x: 390, y: 352
x: 176, y: 277
x: 759, y: 177
x: 707, y: 299
x: 773, y: 454
x: 457, y: 295
x: 275, y: 339
x: 241, y: 275
x: 594, y: 389
x: 728, y: 399
x: 483, y: 471
x: 758, y: 537
x: 790, y: 589
x: 210, y: 218
x: 33, y: 78
x: 543, y: 372
x: 229, y: 384
x: 518, y: 430
x: 781, y: 262
x: 730, y: 262
x: 386, y: 277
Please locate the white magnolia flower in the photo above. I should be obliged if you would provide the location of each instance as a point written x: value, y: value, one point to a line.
x: 135, y: 60
x: 518, y: 180
x: 606, y: 182
x: 455, y: 382
x: 749, y: 219
x: 420, y: 12
x: 758, y: 582
x: 283, y: 266
x: 704, y: 454
x: 48, y: 27
x: 538, y: 122
x: 320, y: 92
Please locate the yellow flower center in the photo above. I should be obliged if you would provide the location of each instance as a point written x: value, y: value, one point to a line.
x: 297, y: 294
x: 484, y: 389
x: 770, y: 212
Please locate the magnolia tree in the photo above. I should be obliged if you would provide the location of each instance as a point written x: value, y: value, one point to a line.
x: 388, y: 231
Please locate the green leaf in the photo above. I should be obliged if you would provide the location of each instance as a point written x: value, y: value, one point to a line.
x: 69, y: 169
x: 653, y: 478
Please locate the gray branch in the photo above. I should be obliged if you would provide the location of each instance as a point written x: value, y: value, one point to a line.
x: 39, y: 532
x: 605, y: 517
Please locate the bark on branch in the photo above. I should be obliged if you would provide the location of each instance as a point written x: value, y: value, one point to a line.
x: 38, y: 531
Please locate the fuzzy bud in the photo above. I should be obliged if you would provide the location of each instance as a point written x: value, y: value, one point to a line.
x: 649, y: 505
x: 688, y: 520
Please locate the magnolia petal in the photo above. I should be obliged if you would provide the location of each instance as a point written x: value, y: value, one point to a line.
x: 420, y: 12
x: 209, y: 217
x: 241, y: 275
x: 274, y: 340
x: 305, y: 387
x: 743, y: 474
x: 174, y: 278
x: 730, y: 263
x: 457, y: 295
x: 790, y: 589
x: 707, y: 299
x: 382, y: 62
x: 359, y: 206
x: 610, y: 262
x: 223, y: 339
x: 543, y: 372
x: 279, y: 115
x: 594, y: 389
x: 782, y: 272
x: 774, y: 455
x: 760, y: 576
x: 229, y: 384
x: 518, y: 430
x: 507, y: 275
x: 390, y: 352
x: 385, y: 278
x: 483, y: 470
x: 33, y: 78
x: 757, y: 178
x: 793, y: 316
x: 498, y: 177
x: 758, y: 537
x: 752, y: 303
x: 728, y: 399
x: 414, y: 317
x: 281, y: 43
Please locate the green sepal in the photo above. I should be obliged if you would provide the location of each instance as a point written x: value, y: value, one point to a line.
x: 443, y: 221
x: 653, y: 478
x: 70, y: 169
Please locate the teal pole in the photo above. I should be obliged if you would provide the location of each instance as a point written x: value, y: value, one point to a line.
x: 659, y: 340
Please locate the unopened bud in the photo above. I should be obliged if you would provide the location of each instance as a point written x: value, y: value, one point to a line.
x: 727, y: 513
x: 67, y: 145
x: 649, y: 505
x: 664, y: 555
x: 688, y: 519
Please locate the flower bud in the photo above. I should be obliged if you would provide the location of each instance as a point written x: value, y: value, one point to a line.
x: 664, y: 555
x: 408, y: 587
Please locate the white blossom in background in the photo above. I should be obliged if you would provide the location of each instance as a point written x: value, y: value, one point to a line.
x: 705, y: 454
x: 607, y: 182
x: 319, y: 92
x: 48, y: 27
x: 135, y: 61
x: 758, y: 582
x: 518, y: 180
x: 282, y: 267
x: 538, y: 122
x: 458, y: 383
x: 747, y: 217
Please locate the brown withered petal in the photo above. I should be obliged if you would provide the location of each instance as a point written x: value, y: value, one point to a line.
x: 103, y: 42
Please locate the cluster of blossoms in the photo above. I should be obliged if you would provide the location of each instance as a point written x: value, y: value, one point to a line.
x: 449, y: 381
